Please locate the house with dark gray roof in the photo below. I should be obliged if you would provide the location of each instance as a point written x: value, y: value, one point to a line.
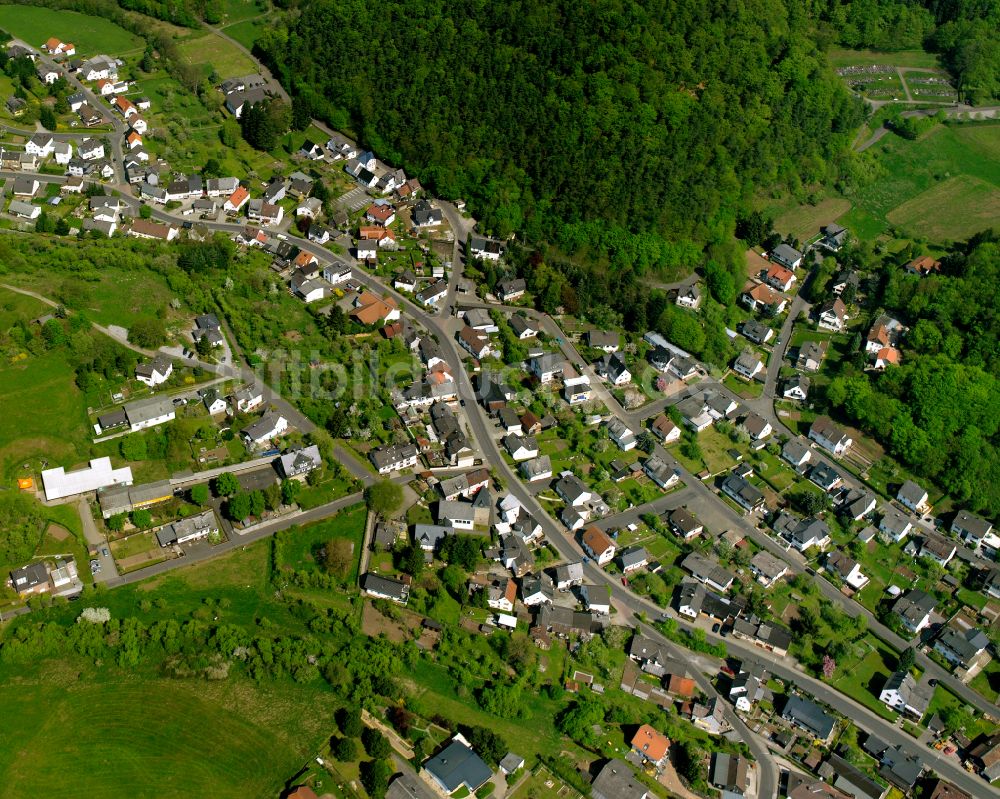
x: 617, y: 781
x: 745, y: 495
x: 385, y: 588
x: 809, y: 716
x: 914, y: 609
x: 457, y: 765
x: 961, y: 646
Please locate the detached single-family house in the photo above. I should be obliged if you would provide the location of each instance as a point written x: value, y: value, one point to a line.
x: 656, y: 469
x: 236, y: 200
x: 830, y: 436
x: 651, y: 746
x: 633, y: 559
x: 393, y: 457
x: 961, y: 646
x: 757, y: 332
x: 546, y: 367
x: 744, y: 494
x: 41, y: 144
x: 268, y: 427
x: 613, y: 369
x: 914, y: 609
x: 621, y: 434
x: 902, y: 694
x: 689, y: 297
x: 509, y: 290
x: 665, y: 429
x: 603, y: 340
x: 684, y: 524
x: 787, y: 255
x: 796, y: 388
x: 155, y: 372
x: 767, y: 568
x: 848, y: 569
x: 894, y: 526
x: 796, y: 453
x: 976, y: 532
x: 913, y: 497
x: 811, y: 355
x: 923, y: 266
x: 598, y: 545
x: 832, y: 315
x: 748, y: 364
x: 485, y: 249
x: 780, y: 277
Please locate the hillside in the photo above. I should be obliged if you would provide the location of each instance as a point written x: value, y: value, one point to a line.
x: 578, y: 124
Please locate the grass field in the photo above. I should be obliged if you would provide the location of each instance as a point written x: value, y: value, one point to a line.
x: 43, y: 415
x: 91, y: 35
x: 956, y: 208
x: 840, y: 57
x: 804, y: 221
x: 301, y: 544
x: 247, y: 32
x: 151, y: 736
x: 933, y: 185
x: 215, y: 53
x: 236, y: 10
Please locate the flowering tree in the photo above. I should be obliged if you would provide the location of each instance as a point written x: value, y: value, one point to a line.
x: 829, y: 666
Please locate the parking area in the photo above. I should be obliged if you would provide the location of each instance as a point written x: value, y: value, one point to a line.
x: 354, y: 200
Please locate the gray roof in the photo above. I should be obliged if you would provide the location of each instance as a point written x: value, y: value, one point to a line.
x: 431, y: 535
x: 27, y: 577
x: 617, y: 781
x: 458, y: 765
x: 384, y: 585
x: 911, y: 492
x: 914, y: 606
x: 852, y: 780
x: 786, y: 254
x: 809, y: 715
x: 393, y: 453
x: 976, y: 526
x: 793, y: 450
x: 634, y: 556
x: 300, y: 461
x: 145, y: 409
x: 262, y: 426
x: 966, y: 644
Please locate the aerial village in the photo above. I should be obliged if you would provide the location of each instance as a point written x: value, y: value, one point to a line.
x: 602, y: 480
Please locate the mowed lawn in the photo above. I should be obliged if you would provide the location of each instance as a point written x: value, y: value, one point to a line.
x: 215, y: 53
x: 804, y: 221
x: 91, y: 35
x: 86, y: 732
x: 840, y: 57
x: 932, y: 185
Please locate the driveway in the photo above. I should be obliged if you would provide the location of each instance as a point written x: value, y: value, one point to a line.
x: 97, y: 542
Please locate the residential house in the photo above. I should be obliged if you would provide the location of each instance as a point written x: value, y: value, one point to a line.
x: 213, y: 401
x: 145, y: 413
x: 665, y: 429
x: 572, y: 490
x: 617, y: 781
x: 268, y: 427
x: 748, y: 364
x: 833, y: 237
x: 923, y: 266
x: 847, y: 569
x: 183, y: 531
x: 386, y: 588
x: 656, y: 469
x: 780, y: 277
x: 811, y: 355
x: 914, y: 609
x: 976, y: 532
x: 603, y: 340
x: 298, y: 463
x: 940, y: 550
x: 633, y: 559
x: 802, y: 534
x: 522, y: 327
x: 809, y: 716
x: 247, y: 398
x: 569, y: 575
x: 539, y: 468
x: 756, y: 426
x: 41, y: 144
x: 484, y: 248
x: 520, y: 448
x: 501, y: 594
x: 901, y: 693
x: 913, y: 497
x: 830, y: 436
x: 786, y: 255
x: 381, y: 213
x: 652, y: 746
x: 796, y: 388
x: 235, y: 202
x: 961, y: 646
x: 429, y: 536
x: 744, y: 494
x: 858, y: 504
x: 370, y: 309
x: 25, y: 187
x: 685, y: 524
x: 457, y: 514
x: 425, y: 215
x: 510, y: 290
x: 826, y: 477
x: 475, y: 342
x: 24, y: 210
x: 546, y: 367
x: 598, y: 545
x: 156, y: 371
x: 757, y: 332
x: 147, y: 229
x: 707, y: 571
x: 832, y: 315
x: 621, y: 434
x: 796, y: 453
x: 536, y: 589
x: 730, y: 774
x: 885, y: 333
x: 844, y: 279
x: 894, y: 526
x: 576, y: 388
x: 689, y: 296
x: 767, y: 568
x: 393, y: 457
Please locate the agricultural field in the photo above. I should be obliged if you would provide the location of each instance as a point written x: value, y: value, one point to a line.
x: 804, y: 221
x: 144, y: 730
x: 934, y: 187
x: 237, y: 10
x: 91, y: 35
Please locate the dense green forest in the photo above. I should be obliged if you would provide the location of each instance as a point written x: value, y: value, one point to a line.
x: 939, y: 412
x: 619, y: 126
x: 964, y: 32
